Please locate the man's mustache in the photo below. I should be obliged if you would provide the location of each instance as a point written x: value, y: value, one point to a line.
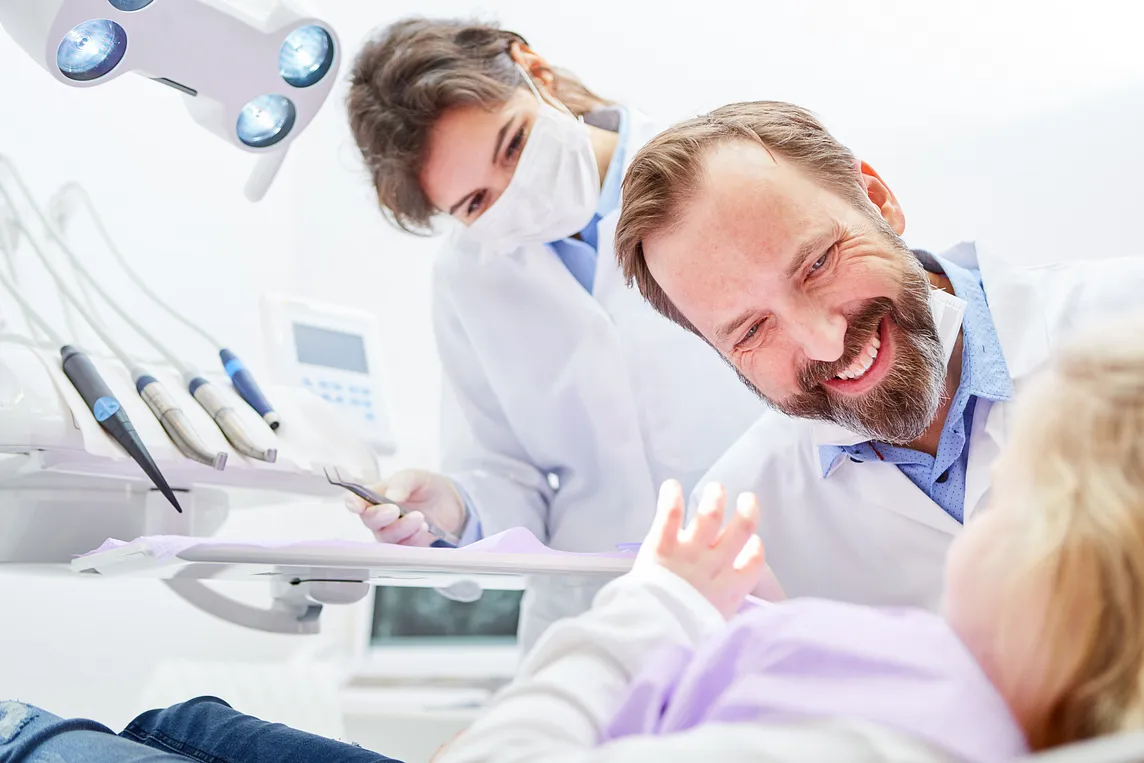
x: 861, y: 327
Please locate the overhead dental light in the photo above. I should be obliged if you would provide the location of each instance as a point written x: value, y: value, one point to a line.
x: 91, y: 50
x: 254, y: 82
x: 265, y: 121
x: 306, y: 56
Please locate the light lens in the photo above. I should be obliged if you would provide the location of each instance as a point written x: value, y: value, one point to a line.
x: 306, y: 56
x: 91, y: 49
x: 265, y: 120
x: 129, y: 5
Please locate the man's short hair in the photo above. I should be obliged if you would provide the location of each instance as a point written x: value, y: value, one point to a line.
x: 668, y: 171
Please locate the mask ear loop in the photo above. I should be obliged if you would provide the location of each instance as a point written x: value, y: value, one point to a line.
x: 535, y: 91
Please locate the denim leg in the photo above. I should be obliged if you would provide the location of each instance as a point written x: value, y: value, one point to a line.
x: 209, y: 730
x: 31, y: 735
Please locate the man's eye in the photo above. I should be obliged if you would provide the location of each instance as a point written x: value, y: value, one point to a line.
x: 820, y: 262
x: 751, y: 335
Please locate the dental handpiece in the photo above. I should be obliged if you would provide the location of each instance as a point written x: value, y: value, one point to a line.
x: 176, y: 423
x: 248, y: 389
x: 228, y: 420
x: 110, y: 414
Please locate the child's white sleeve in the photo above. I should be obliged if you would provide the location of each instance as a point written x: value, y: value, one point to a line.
x: 572, y: 683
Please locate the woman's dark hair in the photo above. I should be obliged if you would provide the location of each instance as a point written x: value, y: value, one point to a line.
x: 408, y: 76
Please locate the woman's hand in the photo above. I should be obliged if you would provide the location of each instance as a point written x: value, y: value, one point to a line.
x: 424, y: 496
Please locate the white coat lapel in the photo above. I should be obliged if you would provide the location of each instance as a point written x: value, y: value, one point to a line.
x: 892, y: 490
x: 1015, y: 295
x: 987, y: 437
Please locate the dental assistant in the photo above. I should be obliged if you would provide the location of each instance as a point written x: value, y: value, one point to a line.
x: 568, y: 400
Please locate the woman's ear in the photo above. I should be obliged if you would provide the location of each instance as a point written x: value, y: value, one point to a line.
x: 536, y: 66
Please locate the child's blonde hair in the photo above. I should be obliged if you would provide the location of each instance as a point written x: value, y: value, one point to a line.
x: 1084, y: 427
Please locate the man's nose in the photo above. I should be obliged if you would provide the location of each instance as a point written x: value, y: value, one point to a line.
x: 821, y: 334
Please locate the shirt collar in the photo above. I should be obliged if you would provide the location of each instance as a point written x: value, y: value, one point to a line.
x: 983, y: 367
x: 829, y: 457
x: 613, y: 180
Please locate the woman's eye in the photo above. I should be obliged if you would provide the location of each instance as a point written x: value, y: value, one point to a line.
x: 475, y: 203
x: 514, y: 144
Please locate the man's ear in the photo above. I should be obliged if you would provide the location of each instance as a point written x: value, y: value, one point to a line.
x: 882, y: 197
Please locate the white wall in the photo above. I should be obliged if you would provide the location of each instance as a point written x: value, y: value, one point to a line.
x: 947, y: 100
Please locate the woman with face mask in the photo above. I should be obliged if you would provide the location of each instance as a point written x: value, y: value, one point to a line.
x: 568, y: 399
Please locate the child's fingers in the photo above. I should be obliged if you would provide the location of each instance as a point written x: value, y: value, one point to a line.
x: 664, y: 535
x: 742, y: 526
x: 751, y: 558
x: 704, y: 528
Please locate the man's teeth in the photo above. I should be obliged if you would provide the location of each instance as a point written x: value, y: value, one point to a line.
x: 865, y: 359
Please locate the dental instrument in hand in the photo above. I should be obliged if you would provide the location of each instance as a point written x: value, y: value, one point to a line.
x: 377, y: 499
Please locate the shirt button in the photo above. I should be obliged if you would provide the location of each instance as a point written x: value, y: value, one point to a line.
x: 944, y: 477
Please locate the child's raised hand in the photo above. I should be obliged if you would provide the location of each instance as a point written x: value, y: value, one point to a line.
x: 722, y: 563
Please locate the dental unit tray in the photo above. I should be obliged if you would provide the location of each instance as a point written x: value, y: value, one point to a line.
x: 512, y: 553
x: 306, y: 575
x: 66, y: 486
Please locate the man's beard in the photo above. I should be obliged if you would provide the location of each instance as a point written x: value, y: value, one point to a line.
x: 904, y: 403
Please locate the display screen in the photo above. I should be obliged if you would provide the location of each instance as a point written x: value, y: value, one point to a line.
x: 421, y: 615
x: 332, y: 349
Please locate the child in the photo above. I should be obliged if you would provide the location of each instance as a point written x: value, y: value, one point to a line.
x: 1041, y: 641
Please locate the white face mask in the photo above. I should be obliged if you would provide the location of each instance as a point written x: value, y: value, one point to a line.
x: 555, y: 189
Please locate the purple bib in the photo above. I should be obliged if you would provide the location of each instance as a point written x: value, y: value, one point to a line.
x: 902, y: 669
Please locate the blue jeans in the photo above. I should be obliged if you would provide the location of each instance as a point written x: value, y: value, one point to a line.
x: 203, y: 730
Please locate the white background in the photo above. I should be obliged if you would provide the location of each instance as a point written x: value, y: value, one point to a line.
x: 1015, y: 121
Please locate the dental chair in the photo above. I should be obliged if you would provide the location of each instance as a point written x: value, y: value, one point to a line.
x: 1119, y: 748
